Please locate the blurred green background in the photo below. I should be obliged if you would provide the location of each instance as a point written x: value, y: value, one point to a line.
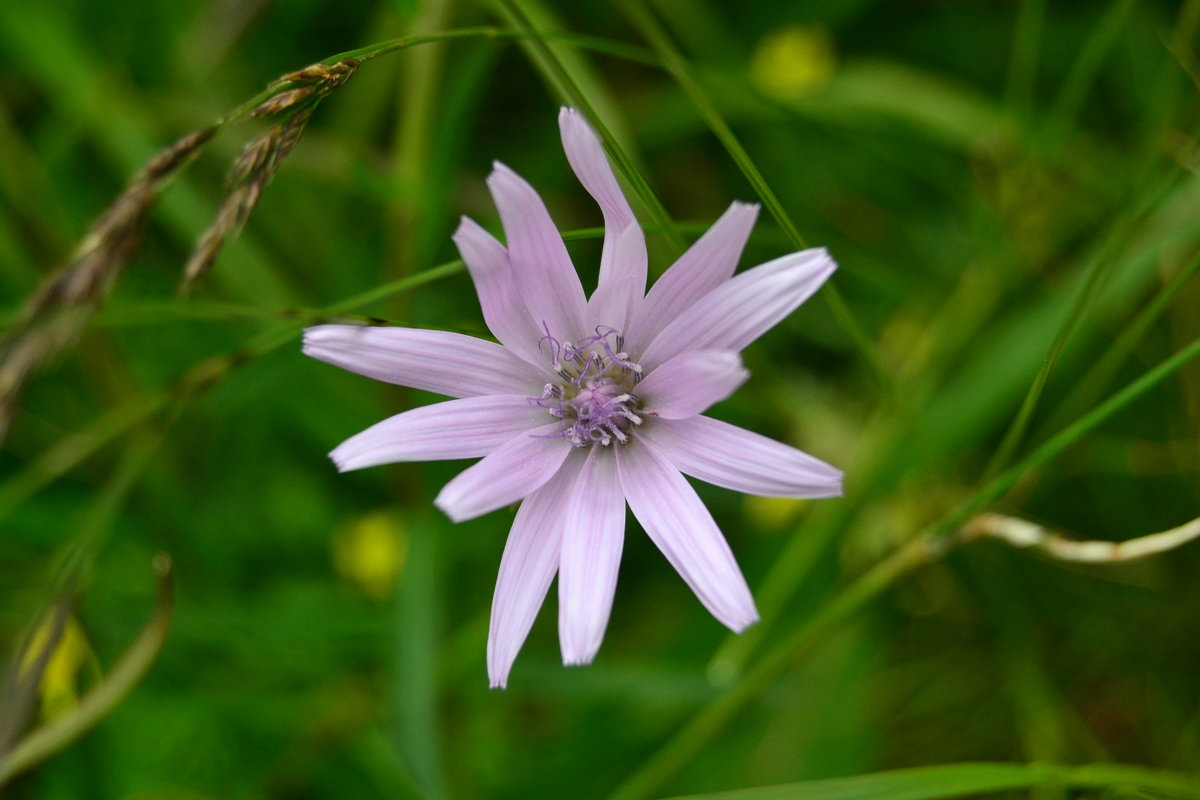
x: 988, y: 175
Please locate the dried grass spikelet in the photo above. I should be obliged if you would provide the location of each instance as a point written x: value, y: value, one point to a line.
x: 325, y: 76
x: 58, y: 309
x: 56, y: 312
x: 294, y: 101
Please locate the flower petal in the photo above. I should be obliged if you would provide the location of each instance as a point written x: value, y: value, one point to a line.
x: 743, y: 308
x: 512, y: 471
x: 681, y: 527
x: 726, y: 455
x: 586, y: 155
x: 593, y: 535
x: 618, y: 296
x: 466, y: 428
x: 503, y: 309
x: 707, y: 264
x: 691, y: 382
x: 623, y: 260
x: 435, y: 361
x: 530, y: 560
x: 542, y: 269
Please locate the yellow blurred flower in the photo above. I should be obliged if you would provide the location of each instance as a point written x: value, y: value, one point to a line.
x: 772, y: 512
x: 793, y: 62
x: 58, y: 689
x: 370, y: 551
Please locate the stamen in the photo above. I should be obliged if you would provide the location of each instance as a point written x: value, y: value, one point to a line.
x: 593, y: 400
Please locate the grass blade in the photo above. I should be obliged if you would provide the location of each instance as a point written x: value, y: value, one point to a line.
x: 708, y: 722
x: 568, y: 87
x: 964, y: 780
x: 679, y: 69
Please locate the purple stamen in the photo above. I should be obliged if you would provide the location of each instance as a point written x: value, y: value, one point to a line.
x: 554, y: 346
x: 593, y: 400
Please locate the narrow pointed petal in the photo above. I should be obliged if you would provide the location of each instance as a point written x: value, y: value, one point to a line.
x: 466, y: 428
x: 623, y: 260
x: 503, y: 309
x: 593, y: 536
x: 734, y: 458
x: 618, y: 296
x: 586, y: 156
x: 530, y: 561
x: 707, y: 264
x: 743, y: 308
x: 541, y: 267
x: 513, y: 470
x: 435, y: 361
x: 691, y: 382
x: 679, y: 524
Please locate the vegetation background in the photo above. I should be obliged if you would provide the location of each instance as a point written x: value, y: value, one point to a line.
x: 1010, y: 189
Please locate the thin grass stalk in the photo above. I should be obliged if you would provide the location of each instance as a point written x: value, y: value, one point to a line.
x: 1068, y: 436
x: 932, y: 543
x: 1023, y: 60
x: 679, y: 69
x: 24, y: 674
x: 1086, y: 292
x: 1073, y: 91
x: 103, y: 698
x: 572, y: 94
x: 686, y: 743
x: 295, y: 99
x: 71, y: 568
x: 1027, y: 535
x: 966, y: 779
x: 54, y: 316
x: 73, y: 449
x: 1088, y: 388
x: 56, y: 313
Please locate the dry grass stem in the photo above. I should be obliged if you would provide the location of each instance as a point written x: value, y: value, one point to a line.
x: 26, y: 670
x: 57, y: 311
x: 1024, y: 534
x: 61, y: 305
x: 296, y: 98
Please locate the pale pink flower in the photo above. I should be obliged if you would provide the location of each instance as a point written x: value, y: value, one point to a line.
x: 588, y: 404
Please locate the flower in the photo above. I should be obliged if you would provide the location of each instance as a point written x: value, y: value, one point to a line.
x: 587, y: 404
x: 793, y: 62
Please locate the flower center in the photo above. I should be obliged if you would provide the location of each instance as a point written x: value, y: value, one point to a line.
x: 594, y: 396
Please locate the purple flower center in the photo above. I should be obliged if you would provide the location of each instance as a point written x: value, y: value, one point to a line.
x: 594, y: 398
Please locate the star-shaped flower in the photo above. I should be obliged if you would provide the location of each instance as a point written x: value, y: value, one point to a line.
x: 587, y: 404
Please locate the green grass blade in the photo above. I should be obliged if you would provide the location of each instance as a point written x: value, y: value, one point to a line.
x: 708, y: 722
x: 548, y: 62
x: 1069, y: 435
x: 965, y: 780
x: 597, y: 44
x: 1081, y: 301
x: 674, y: 62
x: 1069, y: 101
x: 416, y: 648
x: 1022, y: 65
x: 1089, y: 386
